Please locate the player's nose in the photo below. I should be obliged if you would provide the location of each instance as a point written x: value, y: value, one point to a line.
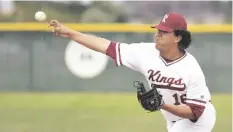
x: 157, y: 35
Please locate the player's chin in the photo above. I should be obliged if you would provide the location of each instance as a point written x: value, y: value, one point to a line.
x: 158, y: 46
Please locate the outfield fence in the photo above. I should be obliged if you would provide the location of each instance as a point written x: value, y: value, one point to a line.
x: 32, y: 58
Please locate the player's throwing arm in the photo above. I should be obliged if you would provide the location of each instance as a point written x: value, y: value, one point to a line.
x: 89, y: 41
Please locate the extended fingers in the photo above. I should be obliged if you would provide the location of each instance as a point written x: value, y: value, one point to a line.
x: 56, y: 30
x: 54, y: 23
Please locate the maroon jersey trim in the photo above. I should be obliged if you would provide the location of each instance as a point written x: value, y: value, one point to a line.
x: 119, y: 53
x: 196, y: 100
x: 197, y: 110
x: 169, y: 87
x: 172, y: 62
x: 111, y: 51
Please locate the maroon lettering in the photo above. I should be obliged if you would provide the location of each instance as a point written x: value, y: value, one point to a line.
x: 178, y: 82
x: 152, y: 74
x: 170, y: 81
x: 163, y: 79
x: 158, y: 77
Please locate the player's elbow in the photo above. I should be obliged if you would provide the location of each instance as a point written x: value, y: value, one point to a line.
x: 196, y: 111
x: 192, y: 116
x: 187, y: 113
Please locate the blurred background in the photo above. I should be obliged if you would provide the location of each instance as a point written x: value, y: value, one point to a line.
x: 41, y: 93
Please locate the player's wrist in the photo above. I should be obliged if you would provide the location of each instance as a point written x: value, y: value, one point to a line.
x: 164, y: 106
x: 72, y: 33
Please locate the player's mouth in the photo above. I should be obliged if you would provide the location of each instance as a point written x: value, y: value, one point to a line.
x: 157, y: 41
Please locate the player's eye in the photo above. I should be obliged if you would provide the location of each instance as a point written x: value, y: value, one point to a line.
x: 160, y: 33
x: 157, y: 34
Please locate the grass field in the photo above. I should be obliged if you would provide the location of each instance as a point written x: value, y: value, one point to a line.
x: 89, y: 112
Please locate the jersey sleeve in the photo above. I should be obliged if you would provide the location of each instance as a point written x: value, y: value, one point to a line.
x: 125, y: 54
x: 197, y: 94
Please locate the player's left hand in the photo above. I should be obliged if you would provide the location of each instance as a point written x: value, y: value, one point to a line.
x: 150, y: 100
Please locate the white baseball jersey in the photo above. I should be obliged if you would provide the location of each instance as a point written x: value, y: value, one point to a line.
x: 179, y: 82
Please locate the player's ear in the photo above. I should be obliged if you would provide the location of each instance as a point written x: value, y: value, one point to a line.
x: 178, y: 38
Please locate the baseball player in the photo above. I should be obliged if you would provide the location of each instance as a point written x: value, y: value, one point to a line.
x: 177, y: 85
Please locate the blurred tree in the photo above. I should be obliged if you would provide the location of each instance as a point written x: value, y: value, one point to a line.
x: 228, y: 12
x: 99, y: 12
x: 68, y: 11
x: 87, y: 11
x: 25, y: 11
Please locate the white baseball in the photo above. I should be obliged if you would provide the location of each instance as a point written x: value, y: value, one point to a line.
x: 40, y: 16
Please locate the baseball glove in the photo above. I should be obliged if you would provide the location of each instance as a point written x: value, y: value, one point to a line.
x: 150, y: 100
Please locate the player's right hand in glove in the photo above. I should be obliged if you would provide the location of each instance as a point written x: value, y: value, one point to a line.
x: 150, y: 100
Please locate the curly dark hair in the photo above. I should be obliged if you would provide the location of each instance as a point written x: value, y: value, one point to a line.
x: 185, y: 38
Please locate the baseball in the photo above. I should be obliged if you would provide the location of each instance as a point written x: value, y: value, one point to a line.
x: 40, y: 16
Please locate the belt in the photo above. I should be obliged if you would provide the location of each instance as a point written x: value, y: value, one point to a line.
x: 176, y: 121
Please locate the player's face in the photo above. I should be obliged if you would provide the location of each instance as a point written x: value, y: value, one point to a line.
x: 164, y: 40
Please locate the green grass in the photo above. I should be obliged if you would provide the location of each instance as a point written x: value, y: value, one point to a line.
x: 88, y: 112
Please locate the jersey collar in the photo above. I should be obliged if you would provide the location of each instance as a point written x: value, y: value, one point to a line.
x: 172, y: 62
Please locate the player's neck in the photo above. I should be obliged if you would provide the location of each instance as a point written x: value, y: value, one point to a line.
x: 172, y: 55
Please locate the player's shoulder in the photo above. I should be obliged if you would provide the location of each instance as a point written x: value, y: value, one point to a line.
x: 191, y: 59
x: 142, y: 46
x: 194, y: 70
x: 193, y: 63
